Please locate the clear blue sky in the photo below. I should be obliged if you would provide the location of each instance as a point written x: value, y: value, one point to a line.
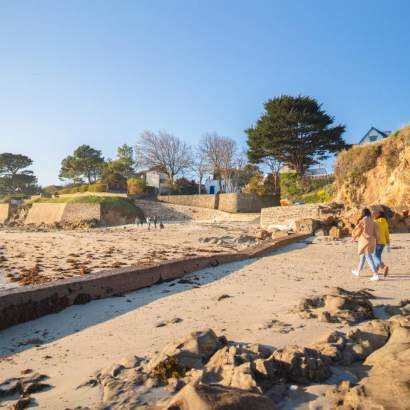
x: 100, y: 72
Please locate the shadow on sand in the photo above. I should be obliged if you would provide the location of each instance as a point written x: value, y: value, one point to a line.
x: 79, y: 317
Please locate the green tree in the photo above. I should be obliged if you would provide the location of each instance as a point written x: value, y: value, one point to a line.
x: 114, y: 176
x: 85, y: 162
x: 14, y: 177
x: 184, y: 186
x: 296, y: 131
x: 126, y: 158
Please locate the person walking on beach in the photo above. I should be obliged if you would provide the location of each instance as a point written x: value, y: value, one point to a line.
x: 149, y: 219
x: 366, y: 234
x: 382, y: 242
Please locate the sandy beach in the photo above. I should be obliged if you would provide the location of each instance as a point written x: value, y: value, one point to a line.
x: 239, y: 300
x: 58, y: 254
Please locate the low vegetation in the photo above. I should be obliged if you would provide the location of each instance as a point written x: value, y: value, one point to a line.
x: 307, y: 189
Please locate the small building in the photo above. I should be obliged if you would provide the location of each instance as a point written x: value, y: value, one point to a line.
x: 374, y: 135
x: 156, y: 179
x: 212, y: 186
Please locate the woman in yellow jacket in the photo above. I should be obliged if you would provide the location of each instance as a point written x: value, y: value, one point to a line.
x: 383, y: 241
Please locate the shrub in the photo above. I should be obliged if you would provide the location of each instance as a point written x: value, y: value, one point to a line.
x: 351, y: 165
x: 135, y: 186
x: 261, y: 186
x: 64, y: 191
x: 184, y: 186
x: 83, y: 188
x: 323, y: 195
x: 291, y: 185
x: 97, y: 187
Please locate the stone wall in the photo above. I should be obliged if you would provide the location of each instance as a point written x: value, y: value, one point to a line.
x: 81, y: 212
x: 4, y: 212
x: 49, y: 213
x: 45, y: 213
x: 285, y: 215
x: 201, y: 201
x: 234, y: 202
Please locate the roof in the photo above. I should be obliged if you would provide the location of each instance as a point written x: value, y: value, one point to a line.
x: 383, y: 133
x: 317, y: 171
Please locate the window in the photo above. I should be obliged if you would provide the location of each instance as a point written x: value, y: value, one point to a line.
x: 373, y: 138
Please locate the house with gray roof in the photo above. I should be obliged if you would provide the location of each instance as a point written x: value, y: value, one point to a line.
x: 374, y: 135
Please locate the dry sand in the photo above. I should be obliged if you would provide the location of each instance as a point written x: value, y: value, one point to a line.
x: 61, y: 254
x: 78, y: 341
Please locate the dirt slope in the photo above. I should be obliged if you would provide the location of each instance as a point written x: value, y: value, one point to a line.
x: 376, y: 173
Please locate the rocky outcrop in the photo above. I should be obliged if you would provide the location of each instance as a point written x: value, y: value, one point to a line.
x: 376, y: 173
x: 386, y: 385
x: 232, y: 374
x: 23, y: 387
x: 201, y: 396
x: 338, y: 305
x: 206, y: 371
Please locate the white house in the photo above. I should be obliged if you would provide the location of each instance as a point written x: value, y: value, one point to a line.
x: 157, y: 180
x: 374, y: 135
x: 212, y: 186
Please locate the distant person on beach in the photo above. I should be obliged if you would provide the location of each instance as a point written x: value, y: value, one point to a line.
x: 383, y: 241
x: 366, y: 233
x: 155, y: 221
x: 139, y: 221
x: 149, y: 219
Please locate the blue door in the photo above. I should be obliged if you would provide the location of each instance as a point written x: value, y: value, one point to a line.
x: 211, y: 189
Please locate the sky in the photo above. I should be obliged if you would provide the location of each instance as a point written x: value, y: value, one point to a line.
x: 100, y: 72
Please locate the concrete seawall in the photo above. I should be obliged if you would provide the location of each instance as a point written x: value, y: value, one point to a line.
x: 23, y: 304
x: 49, y: 213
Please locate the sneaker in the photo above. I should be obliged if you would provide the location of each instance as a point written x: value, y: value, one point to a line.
x: 375, y: 277
x: 355, y: 272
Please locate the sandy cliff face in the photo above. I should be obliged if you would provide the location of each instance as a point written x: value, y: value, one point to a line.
x: 376, y: 173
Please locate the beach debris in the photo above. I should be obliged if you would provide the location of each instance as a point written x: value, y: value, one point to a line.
x: 222, y: 297
x: 168, y: 322
x: 262, y: 234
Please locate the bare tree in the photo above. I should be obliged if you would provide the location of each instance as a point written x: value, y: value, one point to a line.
x: 220, y: 153
x: 200, y: 167
x: 165, y: 152
x: 274, y: 166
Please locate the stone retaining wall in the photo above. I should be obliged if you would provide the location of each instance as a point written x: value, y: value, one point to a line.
x: 233, y: 203
x: 201, y: 201
x: 23, y: 304
x: 49, y: 213
x: 4, y: 212
x: 285, y: 215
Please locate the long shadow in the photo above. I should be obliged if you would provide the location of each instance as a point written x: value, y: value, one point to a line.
x: 79, y: 317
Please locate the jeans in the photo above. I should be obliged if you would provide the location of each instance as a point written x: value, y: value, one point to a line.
x: 377, y: 255
x: 370, y: 262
